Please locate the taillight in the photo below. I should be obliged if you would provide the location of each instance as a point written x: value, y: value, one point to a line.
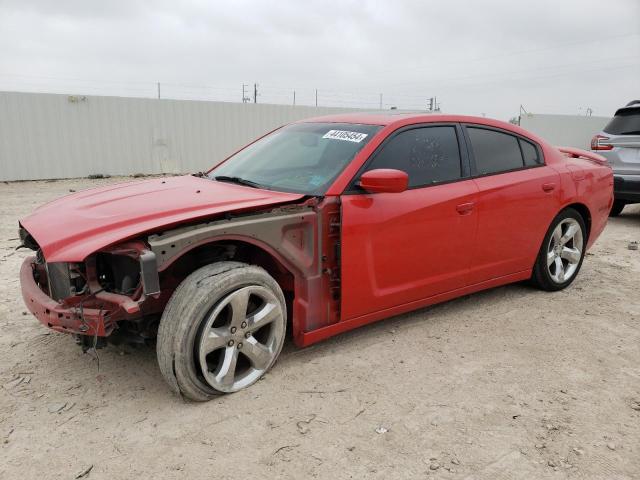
x: 599, y: 142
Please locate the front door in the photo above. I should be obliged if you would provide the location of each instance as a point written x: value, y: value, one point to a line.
x: 398, y: 248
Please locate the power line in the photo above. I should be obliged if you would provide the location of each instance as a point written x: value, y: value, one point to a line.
x: 553, y: 75
x: 282, y: 95
x: 600, y: 62
x: 529, y: 51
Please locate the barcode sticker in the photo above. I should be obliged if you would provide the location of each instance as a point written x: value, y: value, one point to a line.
x: 356, y: 137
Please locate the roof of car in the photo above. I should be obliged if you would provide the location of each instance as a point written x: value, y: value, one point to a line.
x: 397, y: 116
x: 397, y: 119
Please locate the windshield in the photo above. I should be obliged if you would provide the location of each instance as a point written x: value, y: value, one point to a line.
x: 301, y: 158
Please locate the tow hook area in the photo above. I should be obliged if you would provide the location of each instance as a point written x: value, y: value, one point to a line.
x: 88, y: 343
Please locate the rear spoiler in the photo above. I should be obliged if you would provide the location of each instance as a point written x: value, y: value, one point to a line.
x: 573, y: 152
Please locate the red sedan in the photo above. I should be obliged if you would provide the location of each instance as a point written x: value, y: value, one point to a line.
x: 319, y: 227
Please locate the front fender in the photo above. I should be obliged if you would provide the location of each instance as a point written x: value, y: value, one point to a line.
x: 292, y: 236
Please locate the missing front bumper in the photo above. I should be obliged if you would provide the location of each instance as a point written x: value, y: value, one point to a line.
x: 93, y: 314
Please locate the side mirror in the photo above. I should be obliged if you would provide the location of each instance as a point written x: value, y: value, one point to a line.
x: 384, y: 180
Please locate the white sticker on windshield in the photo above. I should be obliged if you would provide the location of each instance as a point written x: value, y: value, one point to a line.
x: 356, y: 137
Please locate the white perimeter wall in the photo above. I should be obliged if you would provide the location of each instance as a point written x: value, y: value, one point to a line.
x: 564, y: 130
x: 62, y: 136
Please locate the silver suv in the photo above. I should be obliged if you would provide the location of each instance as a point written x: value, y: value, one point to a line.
x: 619, y: 142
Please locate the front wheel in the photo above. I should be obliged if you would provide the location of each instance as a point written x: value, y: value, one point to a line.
x: 222, y: 329
x: 561, y: 253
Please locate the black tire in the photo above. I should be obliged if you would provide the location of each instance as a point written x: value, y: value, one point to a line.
x: 541, y: 276
x: 617, y: 207
x: 185, y: 315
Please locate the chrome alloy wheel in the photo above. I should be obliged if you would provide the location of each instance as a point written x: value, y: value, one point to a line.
x: 564, y: 250
x: 240, y: 338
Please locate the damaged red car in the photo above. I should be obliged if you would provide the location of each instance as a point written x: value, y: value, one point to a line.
x: 316, y: 228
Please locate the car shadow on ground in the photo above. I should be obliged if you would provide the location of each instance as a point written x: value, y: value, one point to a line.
x: 452, y: 313
x: 118, y: 365
x: 629, y: 216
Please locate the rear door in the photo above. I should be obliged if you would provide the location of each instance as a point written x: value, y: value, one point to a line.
x: 398, y: 248
x: 517, y: 199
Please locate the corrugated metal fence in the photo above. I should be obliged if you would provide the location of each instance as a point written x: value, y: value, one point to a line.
x: 64, y: 136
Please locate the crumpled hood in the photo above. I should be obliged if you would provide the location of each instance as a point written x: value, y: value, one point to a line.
x: 74, y: 226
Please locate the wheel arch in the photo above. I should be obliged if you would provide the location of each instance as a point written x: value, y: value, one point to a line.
x: 298, y: 246
x: 238, y: 248
x: 584, y: 212
x: 241, y: 249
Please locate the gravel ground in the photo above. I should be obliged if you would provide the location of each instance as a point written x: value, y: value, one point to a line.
x: 508, y: 383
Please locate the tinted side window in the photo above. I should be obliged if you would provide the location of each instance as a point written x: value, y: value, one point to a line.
x: 530, y: 153
x: 428, y: 155
x: 494, y: 151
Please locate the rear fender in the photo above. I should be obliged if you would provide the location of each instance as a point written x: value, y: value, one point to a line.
x: 586, y: 179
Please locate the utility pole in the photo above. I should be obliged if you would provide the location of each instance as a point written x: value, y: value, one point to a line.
x: 520, y: 112
x: 245, y: 99
x: 255, y: 93
x: 316, y: 97
x: 158, y: 90
x: 294, y: 97
x: 433, y: 104
x: 380, y: 101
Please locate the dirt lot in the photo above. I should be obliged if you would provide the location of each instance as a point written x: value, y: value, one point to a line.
x: 509, y: 383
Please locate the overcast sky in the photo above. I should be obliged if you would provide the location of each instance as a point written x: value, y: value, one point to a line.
x: 476, y: 57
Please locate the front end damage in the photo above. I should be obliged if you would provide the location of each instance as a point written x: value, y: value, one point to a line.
x: 120, y: 292
x: 91, y: 298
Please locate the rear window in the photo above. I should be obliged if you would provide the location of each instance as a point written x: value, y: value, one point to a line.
x: 626, y: 122
x: 494, y: 152
x: 530, y: 153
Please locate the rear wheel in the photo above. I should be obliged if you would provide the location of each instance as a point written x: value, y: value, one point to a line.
x: 562, y: 252
x: 617, y: 207
x: 222, y: 329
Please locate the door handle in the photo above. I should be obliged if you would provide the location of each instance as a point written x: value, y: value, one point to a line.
x: 548, y: 187
x: 465, y: 208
